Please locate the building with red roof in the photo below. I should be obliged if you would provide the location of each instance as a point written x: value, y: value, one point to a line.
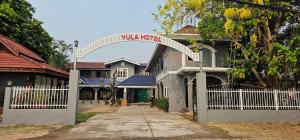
x: 23, y: 67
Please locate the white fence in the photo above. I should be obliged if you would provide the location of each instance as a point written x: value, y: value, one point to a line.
x: 39, y: 98
x: 253, y: 99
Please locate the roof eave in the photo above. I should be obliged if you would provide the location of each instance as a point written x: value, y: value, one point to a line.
x: 122, y: 59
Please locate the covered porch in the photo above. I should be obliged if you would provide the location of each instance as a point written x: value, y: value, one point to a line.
x: 137, y: 89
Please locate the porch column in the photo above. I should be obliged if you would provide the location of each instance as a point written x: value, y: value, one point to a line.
x: 213, y: 59
x: 156, y: 92
x: 125, y: 93
x: 190, y: 96
x: 96, y: 93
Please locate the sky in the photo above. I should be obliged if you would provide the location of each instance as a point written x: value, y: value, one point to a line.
x: 89, y: 20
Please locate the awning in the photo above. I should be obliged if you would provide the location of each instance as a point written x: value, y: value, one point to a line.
x: 138, y: 82
x: 87, y: 82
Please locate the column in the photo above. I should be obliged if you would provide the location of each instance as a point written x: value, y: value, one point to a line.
x: 125, y: 93
x: 201, y: 97
x: 73, y: 96
x: 213, y: 59
x: 6, y: 111
x: 190, y: 96
x: 156, y: 92
x: 96, y: 93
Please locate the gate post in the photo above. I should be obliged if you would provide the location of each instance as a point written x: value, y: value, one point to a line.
x: 6, y: 112
x: 201, y: 97
x: 73, y: 95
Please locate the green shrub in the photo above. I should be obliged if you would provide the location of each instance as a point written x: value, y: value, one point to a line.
x: 162, y: 103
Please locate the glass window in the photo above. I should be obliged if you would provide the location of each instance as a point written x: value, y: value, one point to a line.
x: 122, y: 72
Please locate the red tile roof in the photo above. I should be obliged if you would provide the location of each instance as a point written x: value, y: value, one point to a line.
x: 17, y: 58
x: 90, y: 65
x: 188, y: 29
x: 17, y: 48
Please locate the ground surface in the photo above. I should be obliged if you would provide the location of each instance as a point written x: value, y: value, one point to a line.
x: 143, y: 122
x: 261, y: 131
x: 15, y: 132
x: 24, y: 131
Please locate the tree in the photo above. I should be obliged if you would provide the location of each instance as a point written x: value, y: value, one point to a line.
x: 17, y: 23
x: 59, y: 56
x: 263, y: 52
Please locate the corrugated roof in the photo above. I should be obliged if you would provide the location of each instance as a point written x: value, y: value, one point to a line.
x: 92, y: 82
x: 138, y: 81
x: 90, y: 65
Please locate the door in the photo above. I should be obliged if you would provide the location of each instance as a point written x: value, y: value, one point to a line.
x: 141, y: 95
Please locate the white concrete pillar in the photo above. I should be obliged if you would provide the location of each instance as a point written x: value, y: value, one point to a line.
x: 190, y: 96
x: 201, y: 97
x: 125, y: 93
x: 213, y: 59
x: 96, y: 91
x: 183, y: 56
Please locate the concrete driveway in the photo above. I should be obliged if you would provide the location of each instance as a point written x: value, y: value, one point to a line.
x: 142, y: 122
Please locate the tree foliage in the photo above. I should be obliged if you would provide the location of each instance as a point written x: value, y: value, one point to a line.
x: 17, y: 23
x: 266, y: 41
x: 60, y: 52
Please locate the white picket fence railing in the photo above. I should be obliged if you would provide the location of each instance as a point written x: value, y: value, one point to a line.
x: 253, y: 99
x: 39, y: 97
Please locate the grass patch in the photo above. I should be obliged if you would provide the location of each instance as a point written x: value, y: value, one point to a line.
x: 67, y: 127
x: 82, y: 117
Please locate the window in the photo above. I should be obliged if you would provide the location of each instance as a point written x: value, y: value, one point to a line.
x: 85, y: 74
x: 122, y: 72
x: 166, y: 92
x: 98, y: 74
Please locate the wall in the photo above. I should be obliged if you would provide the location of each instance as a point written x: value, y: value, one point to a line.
x: 222, y: 54
x: 206, y: 115
x: 174, y: 58
x: 18, y: 79
x: 176, y: 93
x: 92, y: 73
x: 44, y: 116
x: 221, y: 57
x: 253, y: 116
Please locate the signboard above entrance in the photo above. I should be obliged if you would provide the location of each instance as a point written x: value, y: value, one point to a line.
x: 141, y: 37
x: 81, y: 52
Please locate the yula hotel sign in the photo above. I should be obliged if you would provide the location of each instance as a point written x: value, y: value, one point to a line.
x: 141, y: 37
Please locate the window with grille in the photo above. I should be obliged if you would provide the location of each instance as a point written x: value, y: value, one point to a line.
x: 122, y: 72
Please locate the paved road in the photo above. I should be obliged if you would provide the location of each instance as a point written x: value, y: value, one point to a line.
x: 142, y: 122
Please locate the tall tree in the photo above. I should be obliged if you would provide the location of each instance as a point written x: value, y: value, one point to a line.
x: 17, y: 23
x: 254, y: 26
